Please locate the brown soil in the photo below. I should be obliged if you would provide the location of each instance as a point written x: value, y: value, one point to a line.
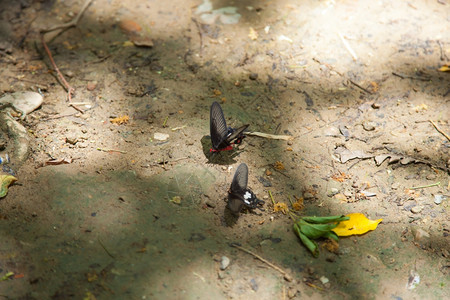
x: 105, y: 226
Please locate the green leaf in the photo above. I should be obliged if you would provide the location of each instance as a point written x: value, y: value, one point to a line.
x: 311, y: 245
x: 324, y: 220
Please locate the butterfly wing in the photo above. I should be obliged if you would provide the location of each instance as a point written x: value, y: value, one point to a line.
x: 240, y: 180
x: 237, y: 134
x: 218, y: 126
x: 235, y: 204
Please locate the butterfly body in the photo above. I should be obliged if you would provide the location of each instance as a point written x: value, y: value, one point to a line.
x: 239, y: 196
x: 223, y: 136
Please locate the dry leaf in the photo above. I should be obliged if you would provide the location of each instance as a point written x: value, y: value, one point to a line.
x: 280, y: 206
x: 347, y: 155
x: 298, y: 205
x: 5, y: 182
x: 253, y: 35
x: 444, y: 68
x: 120, y: 120
x: 358, y: 224
x: 341, y: 177
x: 421, y: 107
x: 130, y: 26
x: 278, y: 165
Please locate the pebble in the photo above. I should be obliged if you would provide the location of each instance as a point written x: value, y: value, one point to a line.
x: 210, y: 204
x: 71, y: 140
x: 324, y: 280
x: 292, y: 292
x: 224, y: 262
x: 340, y: 197
x: 348, y: 194
x: 376, y: 105
x: 253, y: 76
x: 416, y: 209
x: 420, y: 234
x: 308, y: 195
x: 160, y: 136
x: 332, y: 192
x: 331, y: 131
x: 395, y: 185
x: 91, y: 85
x: 368, y: 126
x: 431, y: 176
x: 438, y: 199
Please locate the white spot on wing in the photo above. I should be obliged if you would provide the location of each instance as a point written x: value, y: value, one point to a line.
x: 247, y: 195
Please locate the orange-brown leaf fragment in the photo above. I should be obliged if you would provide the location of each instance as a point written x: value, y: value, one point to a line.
x: 280, y: 206
x: 357, y: 224
x: 341, y: 177
x: 120, y: 120
x: 278, y: 165
x: 298, y: 205
x: 130, y: 26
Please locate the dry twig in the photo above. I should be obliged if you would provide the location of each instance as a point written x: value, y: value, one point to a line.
x: 60, y: 28
x: 284, y: 273
x: 270, y: 136
x: 347, y: 46
x: 439, y: 129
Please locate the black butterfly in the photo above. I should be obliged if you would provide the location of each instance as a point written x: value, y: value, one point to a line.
x: 239, y: 195
x: 223, y: 137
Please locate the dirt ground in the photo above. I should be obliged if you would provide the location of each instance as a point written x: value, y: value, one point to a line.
x: 352, y: 82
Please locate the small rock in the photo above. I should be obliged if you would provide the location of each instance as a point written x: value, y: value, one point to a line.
x: 292, y: 292
x: 340, y: 197
x: 253, y: 76
x: 307, y: 195
x: 91, y: 85
x: 438, y: 199
x: 376, y: 105
x: 348, y: 194
x: 196, y: 237
x: 416, y: 209
x: 160, y: 136
x: 431, y: 176
x: 210, y: 204
x: 254, y: 284
x: 420, y: 234
x: 331, y: 131
x: 265, y: 182
x: 224, y: 262
x: 71, y: 140
x: 324, y: 280
x: 368, y: 126
x: 395, y: 185
x: 332, y: 192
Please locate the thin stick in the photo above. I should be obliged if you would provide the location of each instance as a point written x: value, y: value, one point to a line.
x: 271, y: 197
x: 69, y: 88
x: 425, y: 186
x: 165, y: 121
x: 270, y: 136
x: 357, y: 85
x: 104, y: 248
x: 72, y: 23
x: 439, y: 129
x: 347, y: 46
x: 111, y: 150
x: 403, y: 76
x: 200, y: 33
x: 284, y: 273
